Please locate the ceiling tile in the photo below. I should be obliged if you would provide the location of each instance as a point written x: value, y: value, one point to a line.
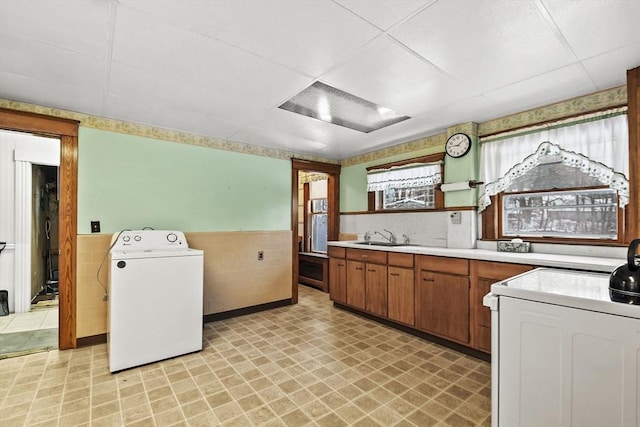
x: 165, y: 116
x: 63, y: 96
x: 238, y: 82
x: 294, y: 127
x: 386, y: 73
x: 593, y: 27
x: 385, y: 13
x: 308, y: 36
x: 81, y: 26
x: 53, y: 65
x: 609, y: 69
x: 554, y: 86
x: 485, y: 43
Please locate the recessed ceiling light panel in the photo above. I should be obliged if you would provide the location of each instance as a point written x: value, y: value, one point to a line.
x: 326, y: 103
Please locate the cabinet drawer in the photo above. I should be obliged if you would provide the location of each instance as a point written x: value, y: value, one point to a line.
x: 443, y: 264
x: 336, y: 252
x: 499, y: 270
x: 400, y: 260
x: 377, y: 257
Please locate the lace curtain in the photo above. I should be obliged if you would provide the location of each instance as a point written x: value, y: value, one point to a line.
x: 421, y: 175
x: 598, y: 146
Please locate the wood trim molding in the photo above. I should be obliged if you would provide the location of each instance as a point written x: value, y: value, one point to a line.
x: 67, y: 218
x: 67, y: 130
x: 633, y: 116
x: 333, y: 216
x: 23, y: 121
x: 431, y: 158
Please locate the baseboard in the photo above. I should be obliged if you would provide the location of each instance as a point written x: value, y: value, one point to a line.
x: 245, y: 310
x: 441, y: 341
x: 102, y: 338
x: 91, y: 340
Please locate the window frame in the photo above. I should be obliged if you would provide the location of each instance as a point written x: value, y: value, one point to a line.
x: 492, y: 219
x: 438, y: 194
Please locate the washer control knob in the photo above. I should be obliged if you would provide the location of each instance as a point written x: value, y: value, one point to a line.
x: 137, y: 238
x: 171, y: 237
x: 126, y: 238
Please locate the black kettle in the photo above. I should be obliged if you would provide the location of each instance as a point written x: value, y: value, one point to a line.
x: 624, y: 283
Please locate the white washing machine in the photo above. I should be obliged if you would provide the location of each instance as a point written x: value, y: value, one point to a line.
x: 155, y: 298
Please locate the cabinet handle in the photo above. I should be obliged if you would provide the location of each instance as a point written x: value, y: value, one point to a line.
x: 340, y: 265
x: 358, y: 268
x: 373, y: 270
x: 428, y: 280
x: 394, y: 274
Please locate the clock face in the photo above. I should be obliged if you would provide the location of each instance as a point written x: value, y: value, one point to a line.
x: 458, y: 145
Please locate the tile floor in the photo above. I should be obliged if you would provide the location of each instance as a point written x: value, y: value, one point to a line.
x: 41, y: 318
x: 308, y: 364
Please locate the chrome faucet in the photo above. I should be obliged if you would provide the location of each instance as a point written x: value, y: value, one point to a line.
x: 406, y: 239
x: 391, y: 238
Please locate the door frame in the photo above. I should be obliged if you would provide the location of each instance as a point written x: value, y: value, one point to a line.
x: 333, y: 213
x: 67, y: 131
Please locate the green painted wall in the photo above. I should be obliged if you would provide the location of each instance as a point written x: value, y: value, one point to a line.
x: 462, y: 169
x: 132, y: 182
x: 353, y: 179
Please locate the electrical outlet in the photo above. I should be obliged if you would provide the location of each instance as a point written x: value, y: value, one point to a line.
x: 95, y: 226
x: 260, y: 255
x: 456, y: 218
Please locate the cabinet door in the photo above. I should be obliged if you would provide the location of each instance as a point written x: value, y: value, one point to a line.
x: 485, y: 274
x: 338, y: 280
x: 443, y: 305
x: 401, y: 295
x: 483, y: 316
x: 355, y: 284
x: 376, y: 289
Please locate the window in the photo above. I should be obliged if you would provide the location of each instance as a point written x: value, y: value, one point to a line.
x: 407, y: 198
x: 586, y: 214
x: 575, y: 189
x: 407, y: 185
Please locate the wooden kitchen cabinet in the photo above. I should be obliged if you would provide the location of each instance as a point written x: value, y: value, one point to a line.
x: 438, y: 295
x: 337, y: 274
x: 401, y: 295
x: 401, y: 288
x: 376, y: 289
x: 338, y: 280
x: 356, y: 284
x: 442, y: 297
x: 367, y: 280
x: 483, y: 275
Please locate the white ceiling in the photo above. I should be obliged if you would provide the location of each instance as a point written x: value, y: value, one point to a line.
x: 221, y: 68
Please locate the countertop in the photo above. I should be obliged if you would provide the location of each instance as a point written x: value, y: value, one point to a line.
x: 598, y: 264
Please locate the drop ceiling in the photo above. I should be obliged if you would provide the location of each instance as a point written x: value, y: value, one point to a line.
x: 222, y: 68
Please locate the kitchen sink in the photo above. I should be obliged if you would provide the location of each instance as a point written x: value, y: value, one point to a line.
x: 389, y: 244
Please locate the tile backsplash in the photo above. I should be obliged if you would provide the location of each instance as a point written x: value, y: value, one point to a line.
x: 423, y: 228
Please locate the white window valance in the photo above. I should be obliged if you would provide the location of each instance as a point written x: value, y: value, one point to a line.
x: 547, y: 152
x: 598, y: 147
x: 414, y: 175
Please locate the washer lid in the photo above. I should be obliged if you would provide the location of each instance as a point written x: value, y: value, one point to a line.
x: 155, y: 253
x: 577, y: 289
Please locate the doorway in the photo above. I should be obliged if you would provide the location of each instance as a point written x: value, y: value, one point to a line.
x: 28, y: 270
x: 332, y: 208
x: 67, y: 131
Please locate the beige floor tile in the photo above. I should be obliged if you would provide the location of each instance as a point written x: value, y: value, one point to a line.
x: 307, y: 364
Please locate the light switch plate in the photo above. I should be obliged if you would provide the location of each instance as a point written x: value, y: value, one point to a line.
x: 95, y: 226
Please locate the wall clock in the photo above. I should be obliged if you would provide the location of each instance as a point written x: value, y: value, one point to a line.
x: 458, y: 145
